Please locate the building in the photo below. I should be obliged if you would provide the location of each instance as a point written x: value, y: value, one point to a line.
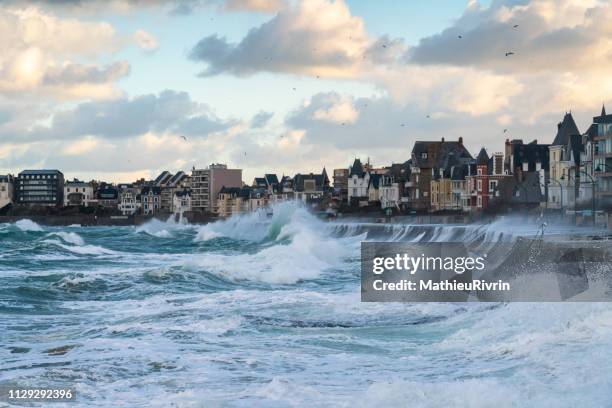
x: 310, y: 187
x: 427, y: 158
x: 487, y: 188
x: 6, y: 190
x: 449, y: 191
x: 373, y: 189
x: 341, y: 177
x: 78, y: 193
x: 565, y: 155
x: 181, y: 201
x: 233, y: 201
x: 602, y: 159
x: 40, y: 187
x: 107, y: 196
x: 176, y: 183
x: 128, y: 199
x: 150, y: 200
x: 206, y: 184
x: 358, y: 182
x: 390, y: 188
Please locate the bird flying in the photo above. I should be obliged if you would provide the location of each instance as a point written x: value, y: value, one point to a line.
x: 509, y: 53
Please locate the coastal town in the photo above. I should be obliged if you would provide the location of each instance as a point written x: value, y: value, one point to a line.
x: 570, y: 174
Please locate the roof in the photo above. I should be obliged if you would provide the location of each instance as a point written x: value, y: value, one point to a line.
x: 374, y: 180
x: 150, y: 189
x: 356, y: 169
x: 177, y: 178
x: 6, y: 178
x: 437, y: 153
x: 298, y: 181
x: 183, y: 193
x: 482, y: 158
x: 459, y: 172
x: 162, y: 178
x: 566, y: 128
x: 260, y: 181
x: 271, y: 179
x: 531, y: 153
x: 30, y: 172
x: 78, y: 183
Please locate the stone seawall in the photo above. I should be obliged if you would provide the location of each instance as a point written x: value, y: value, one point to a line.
x: 92, y: 220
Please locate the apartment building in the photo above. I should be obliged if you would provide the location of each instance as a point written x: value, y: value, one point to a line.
x: 40, y: 187
x: 206, y: 184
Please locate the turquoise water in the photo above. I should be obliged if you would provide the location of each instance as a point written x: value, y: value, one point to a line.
x: 258, y: 311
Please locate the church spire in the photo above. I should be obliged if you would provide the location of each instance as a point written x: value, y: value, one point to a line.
x: 603, y: 110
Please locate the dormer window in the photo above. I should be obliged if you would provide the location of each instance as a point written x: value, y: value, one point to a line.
x: 423, y: 155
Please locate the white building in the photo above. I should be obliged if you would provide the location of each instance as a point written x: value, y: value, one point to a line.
x: 565, y: 156
x: 6, y: 190
x: 78, y: 193
x: 128, y: 199
x: 358, y: 183
x: 181, y: 201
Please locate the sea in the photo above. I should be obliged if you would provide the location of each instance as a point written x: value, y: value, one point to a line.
x: 264, y: 310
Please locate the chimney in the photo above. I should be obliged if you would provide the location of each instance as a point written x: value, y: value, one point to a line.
x: 460, y: 140
x: 442, y: 140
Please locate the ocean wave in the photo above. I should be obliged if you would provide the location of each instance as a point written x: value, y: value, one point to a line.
x: 69, y: 237
x: 28, y: 226
x: 82, y: 249
x: 162, y: 229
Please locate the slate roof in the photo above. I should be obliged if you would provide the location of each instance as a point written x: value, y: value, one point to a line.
x: 566, y: 128
x: 260, y: 182
x: 531, y: 153
x: 150, y: 189
x: 438, y: 154
x: 271, y: 179
x: 459, y: 172
x: 298, y: 181
x: 162, y: 178
x: 357, y: 169
x: 177, y: 178
x: 374, y: 180
x: 482, y: 158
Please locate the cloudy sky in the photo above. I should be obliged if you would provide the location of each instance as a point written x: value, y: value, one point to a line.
x: 122, y: 89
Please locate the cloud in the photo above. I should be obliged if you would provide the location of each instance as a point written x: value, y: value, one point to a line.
x: 552, y: 36
x: 175, y: 7
x: 315, y: 37
x: 146, y: 40
x: 335, y: 109
x: 261, y: 119
x: 45, y: 55
x: 169, y: 112
x: 255, y: 5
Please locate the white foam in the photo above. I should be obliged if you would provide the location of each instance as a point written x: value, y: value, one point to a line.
x: 162, y: 229
x: 70, y: 237
x: 28, y: 226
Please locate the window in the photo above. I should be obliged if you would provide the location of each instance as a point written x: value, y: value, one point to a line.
x: 423, y: 155
x: 479, y: 185
x: 493, y: 185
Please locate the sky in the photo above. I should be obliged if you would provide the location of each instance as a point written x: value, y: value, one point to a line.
x: 123, y: 89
